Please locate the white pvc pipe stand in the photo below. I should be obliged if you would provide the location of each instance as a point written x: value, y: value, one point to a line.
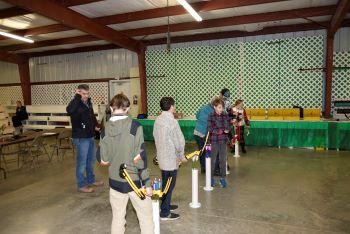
x: 208, y: 174
x: 156, y: 218
x: 236, y: 150
x: 195, y: 204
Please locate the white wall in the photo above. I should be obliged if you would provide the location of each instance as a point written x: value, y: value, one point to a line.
x: 342, y: 40
x: 86, y: 65
x: 9, y: 73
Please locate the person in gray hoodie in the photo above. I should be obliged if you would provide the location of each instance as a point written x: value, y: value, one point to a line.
x: 170, y: 144
x: 122, y: 142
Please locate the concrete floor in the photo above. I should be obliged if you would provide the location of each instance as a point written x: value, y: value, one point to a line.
x: 270, y: 191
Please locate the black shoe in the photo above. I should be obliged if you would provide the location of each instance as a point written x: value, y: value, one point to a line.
x: 203, y: 170
x: 244, y: 151
x: 171, y: 216
x: 173, y: 207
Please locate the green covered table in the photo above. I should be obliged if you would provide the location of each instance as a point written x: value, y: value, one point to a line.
x: 332, y: 135
x: 288, y: 134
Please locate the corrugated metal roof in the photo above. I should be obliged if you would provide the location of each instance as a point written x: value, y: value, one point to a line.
x: 68, y: 46
x: 25, y: 21
x: 111, y: 7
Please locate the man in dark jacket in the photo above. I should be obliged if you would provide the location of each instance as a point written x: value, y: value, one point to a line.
x: 84, y: 124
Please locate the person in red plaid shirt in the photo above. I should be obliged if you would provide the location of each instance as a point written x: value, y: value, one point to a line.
x: 219, y: 127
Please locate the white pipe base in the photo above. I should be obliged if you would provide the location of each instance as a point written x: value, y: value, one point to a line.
x: 156, y: 218
x: 236, y: 155
x: 208, y: 189
x: 195, y: 204
x: 208, y: 175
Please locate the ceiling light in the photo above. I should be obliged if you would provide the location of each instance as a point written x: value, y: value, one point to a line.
x: 13, y: 36
x: 190, y: 10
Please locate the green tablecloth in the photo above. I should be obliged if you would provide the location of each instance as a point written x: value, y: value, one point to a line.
x: 332, y: 135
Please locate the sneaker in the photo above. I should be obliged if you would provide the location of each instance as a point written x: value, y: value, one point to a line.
x: 86, y: 190
x: 173, y: 207
x: 171, y: 216
x: 223, y: 182
x: 213, y: 182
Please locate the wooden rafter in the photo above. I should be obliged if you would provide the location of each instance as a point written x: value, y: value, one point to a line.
x: 75, y: 20
x: 147, y: 14
x: 229, y: 21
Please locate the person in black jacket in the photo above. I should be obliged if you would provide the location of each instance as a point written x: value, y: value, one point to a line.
x: 84, y: 125
x: 21, y: 114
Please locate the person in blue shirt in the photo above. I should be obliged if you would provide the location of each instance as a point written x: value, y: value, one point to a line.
x: 201, y: 129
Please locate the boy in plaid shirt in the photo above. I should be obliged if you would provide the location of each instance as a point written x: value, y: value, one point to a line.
x: 219, y: 127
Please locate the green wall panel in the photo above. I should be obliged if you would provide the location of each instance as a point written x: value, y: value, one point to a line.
x: 263, y: 73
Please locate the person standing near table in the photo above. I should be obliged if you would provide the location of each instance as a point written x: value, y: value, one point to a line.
x: 21, y: 114
x: 84, y: 125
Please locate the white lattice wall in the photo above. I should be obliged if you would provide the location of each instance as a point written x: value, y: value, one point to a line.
x: 10, y: 94
x: 341, y: 76
x: 60, y: 94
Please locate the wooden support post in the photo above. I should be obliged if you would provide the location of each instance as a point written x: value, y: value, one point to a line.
x: 143, y: 82
x: 328, y: 78
x: 23, y: 68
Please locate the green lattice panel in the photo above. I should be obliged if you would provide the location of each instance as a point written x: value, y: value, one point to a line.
x: 301, y: 88
x: 341, y: 77
x: 159, y: 69
x: 260, y: 75
x: 269, y: 74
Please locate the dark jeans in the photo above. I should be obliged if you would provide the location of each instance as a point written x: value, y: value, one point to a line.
x: 85, y: 161
x: 17, y: 121
x: 200, y: 142
x: 220, y: 150
x: 166, y: 200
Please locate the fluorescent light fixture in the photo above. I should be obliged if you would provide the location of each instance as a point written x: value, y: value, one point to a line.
x: 13, y: 36
x: 190, y: 10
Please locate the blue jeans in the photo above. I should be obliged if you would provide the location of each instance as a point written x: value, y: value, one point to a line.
x: 85, y: 161
x: 166, y: 200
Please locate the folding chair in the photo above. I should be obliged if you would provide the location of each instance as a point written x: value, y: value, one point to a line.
x: 35, y: 149
x: 63, y: 143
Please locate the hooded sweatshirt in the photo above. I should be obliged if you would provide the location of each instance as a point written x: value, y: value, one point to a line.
x: 122, y: 140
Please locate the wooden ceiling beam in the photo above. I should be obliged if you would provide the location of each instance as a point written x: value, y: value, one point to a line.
x: 17, y: 11
x: 75, y: 20
x: 342, y: 9
x: 12, y: 58
x: 73, y: 50
x: 236, y: 20
x: 178, y: 10
x: 70, y: 3
x: 198, y: 37
x: 12, y: 12
x: 236, y: 33
x: 147, y: 14
x: 54, y: 42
